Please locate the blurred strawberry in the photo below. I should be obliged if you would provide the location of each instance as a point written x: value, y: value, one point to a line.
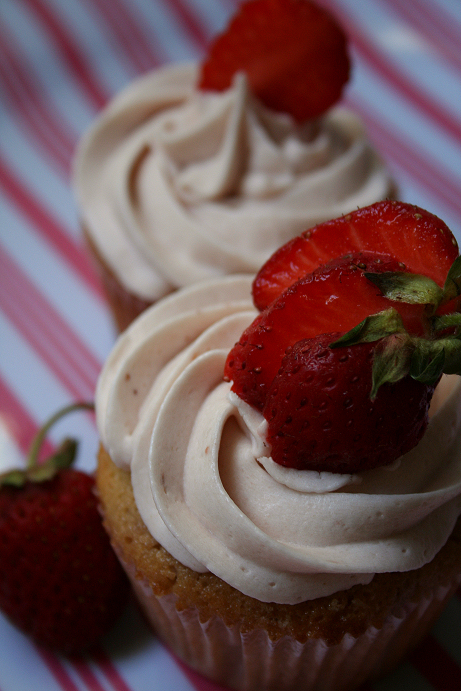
x: 60, y: 581
x: 293, y: 52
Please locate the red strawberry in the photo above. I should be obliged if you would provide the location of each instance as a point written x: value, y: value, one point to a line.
x: 335, y: 297
x: 416, y: 237
x: 361, y: 401
x: 60, y: 581
x: 292, y: 51
x: 321, y: 417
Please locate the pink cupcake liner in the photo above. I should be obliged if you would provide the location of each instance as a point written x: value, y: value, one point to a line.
x: 253, y: 662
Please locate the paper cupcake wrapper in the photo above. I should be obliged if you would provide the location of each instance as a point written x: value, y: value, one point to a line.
x: 252, y: 662
x: 125, y: 306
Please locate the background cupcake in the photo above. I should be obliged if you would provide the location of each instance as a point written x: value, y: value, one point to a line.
x: 199, y: 170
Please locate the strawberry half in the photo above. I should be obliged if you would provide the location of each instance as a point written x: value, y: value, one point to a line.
x: 320, y: 416
x: 293, y: 52
x: 60, y: 581
x: 335, y: 297
x: 420, y: 240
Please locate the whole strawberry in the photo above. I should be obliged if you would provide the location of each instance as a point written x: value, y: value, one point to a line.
x: 320, y: 415
x: 60, y: 581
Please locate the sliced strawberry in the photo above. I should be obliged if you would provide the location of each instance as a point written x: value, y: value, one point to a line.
x: 320, y: 416
x: 416, y: 237
x: 292, y: 51
x: 335, y: 297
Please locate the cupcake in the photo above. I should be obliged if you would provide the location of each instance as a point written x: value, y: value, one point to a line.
x: 200, y: 170
x: 285, y: 493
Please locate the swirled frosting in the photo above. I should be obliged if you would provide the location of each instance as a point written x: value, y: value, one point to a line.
x: 205, y: 484
x: 177, y: 185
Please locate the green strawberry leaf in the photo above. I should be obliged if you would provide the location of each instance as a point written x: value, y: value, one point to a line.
x: 452, y: 349
x: 446, y: 321
x: 43, y: 431
x: 62, y: 458
x: 452, y: 287
x: 431, y: 359
x: 13, y: 478
x: 372, y: 328
x: 405, y: 287
x: 427, y: 368
x: 391, y: 361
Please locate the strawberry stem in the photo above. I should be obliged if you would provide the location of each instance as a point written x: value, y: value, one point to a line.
x: 43, y: 431
x: 62, y: 458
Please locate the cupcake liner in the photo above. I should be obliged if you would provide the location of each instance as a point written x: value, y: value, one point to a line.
x: 253, y: 662
x: 274, y: 648
x: 124, y: 306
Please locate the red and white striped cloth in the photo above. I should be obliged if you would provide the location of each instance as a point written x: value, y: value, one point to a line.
x: 60, y: 62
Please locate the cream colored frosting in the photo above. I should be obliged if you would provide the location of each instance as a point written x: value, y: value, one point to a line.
x: 177, y: 185
x: 208, y: 491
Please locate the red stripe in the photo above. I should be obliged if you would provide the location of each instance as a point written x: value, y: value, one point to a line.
x: 47, y: 333
x: 35, y: 113
x: 87, y: 676
x: 436, y: 665
x: 200, y: 683
x: 20, y: 425
x: 134, y: 41
x: 432, y: 176
x: 70, y: 54
x: 407, y: 89
x: 110, y: 671
x: 197, y: 680
x: 57, y: 670
x: 49, y: 228
x: 435, y: 24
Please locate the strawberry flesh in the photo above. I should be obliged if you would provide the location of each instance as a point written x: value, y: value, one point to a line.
x: 293, y: 52
x: 320, y: 416
x: 416, y: 237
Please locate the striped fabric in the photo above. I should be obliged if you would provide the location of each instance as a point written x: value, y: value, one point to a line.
x: 60, y: 62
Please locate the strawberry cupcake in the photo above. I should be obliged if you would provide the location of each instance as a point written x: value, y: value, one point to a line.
x: 200, y: 170
x: 280, y: 461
